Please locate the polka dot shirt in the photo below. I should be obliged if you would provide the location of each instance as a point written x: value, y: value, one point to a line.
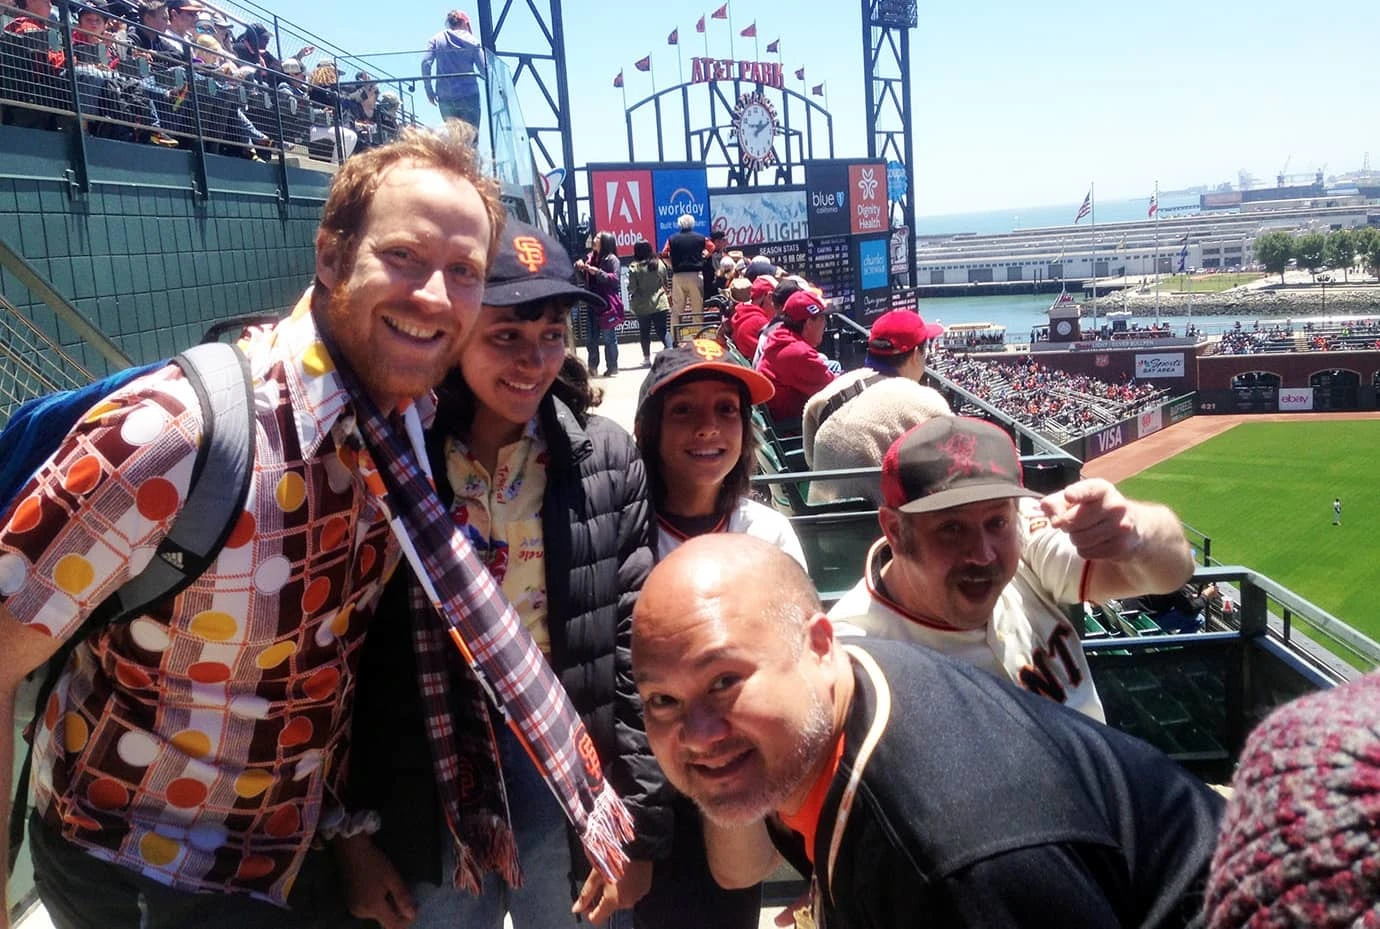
x: 201, y: 744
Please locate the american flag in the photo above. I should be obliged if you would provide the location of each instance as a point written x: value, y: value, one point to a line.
x: 1085, y: 209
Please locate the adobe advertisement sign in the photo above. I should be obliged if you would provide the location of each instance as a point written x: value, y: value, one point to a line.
x: 765, y: 216
x: 827, y: 187
x: 868, y: 210
x: 1295, y: 399
x: 622, y: 202
x: 675, y: 193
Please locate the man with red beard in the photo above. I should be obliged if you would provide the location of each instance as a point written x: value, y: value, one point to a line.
x: 973, y: 566
x: 912, y: 789
x: 189, y: 759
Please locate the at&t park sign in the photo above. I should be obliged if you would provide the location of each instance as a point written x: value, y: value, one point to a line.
x: 767, y: 73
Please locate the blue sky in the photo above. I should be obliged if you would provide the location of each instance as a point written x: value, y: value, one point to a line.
x: 1016, y: 103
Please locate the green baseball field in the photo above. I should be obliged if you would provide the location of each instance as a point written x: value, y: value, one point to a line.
x: 1263, y: 492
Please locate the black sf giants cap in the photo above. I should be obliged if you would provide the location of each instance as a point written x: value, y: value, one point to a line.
x: 951, y: 461
x: 531, y: 265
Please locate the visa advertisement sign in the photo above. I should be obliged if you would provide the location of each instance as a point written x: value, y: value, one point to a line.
x: 869, y: 211
x: 1108, y: 440
x: 676, y: 193
x: 622, y: 203
x: 874, y: 264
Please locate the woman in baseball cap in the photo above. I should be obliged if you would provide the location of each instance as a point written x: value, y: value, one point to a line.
x: 554, y: 501
x: 694, y: 430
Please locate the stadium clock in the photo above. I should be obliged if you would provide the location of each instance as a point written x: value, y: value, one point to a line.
x: 755, y: 127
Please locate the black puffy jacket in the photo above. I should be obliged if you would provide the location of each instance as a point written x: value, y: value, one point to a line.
x: 597, y: 530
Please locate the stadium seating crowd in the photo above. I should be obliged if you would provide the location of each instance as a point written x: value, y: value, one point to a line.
x: 131, y: 62
x: 1358, y: 334
x: 1062, y: 406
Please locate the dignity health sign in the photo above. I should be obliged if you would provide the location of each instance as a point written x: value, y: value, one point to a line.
x: 1155, y: 367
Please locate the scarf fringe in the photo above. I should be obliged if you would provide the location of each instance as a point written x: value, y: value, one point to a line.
x: 608, y: 826
x: 491, y: 847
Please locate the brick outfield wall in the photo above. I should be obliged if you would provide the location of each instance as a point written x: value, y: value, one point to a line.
x: 154, y: 266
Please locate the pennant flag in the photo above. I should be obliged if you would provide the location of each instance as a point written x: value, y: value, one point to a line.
x: 674, y: 37
x: 720, y: 13
x: 817, y: 90
x: 800, y: 74
x: 643, y: 64
x: 618, y: 81
x: 773, y: 47
x: 699, y: 26
x: 1085, y: 209
x: 1154, y: 205
x: 750, y: 32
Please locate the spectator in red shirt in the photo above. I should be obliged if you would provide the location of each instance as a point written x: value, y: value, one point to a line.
x: 791, y: 360
x: 750, y: 317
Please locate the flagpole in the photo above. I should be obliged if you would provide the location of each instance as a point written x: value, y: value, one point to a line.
x: 680, y: 59
x: 1092, y: 207
x: 756, y: 51
x: 728, y: 12
x: 705, y: 33
x: 1157, y: 253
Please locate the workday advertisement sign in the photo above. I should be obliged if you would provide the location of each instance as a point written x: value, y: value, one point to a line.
x: 676, y: 193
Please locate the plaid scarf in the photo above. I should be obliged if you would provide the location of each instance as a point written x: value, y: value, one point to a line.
x: 494, y: 643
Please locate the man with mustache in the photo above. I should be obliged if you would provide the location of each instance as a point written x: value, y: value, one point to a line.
x: 914, y: 790
x: 970, y: 565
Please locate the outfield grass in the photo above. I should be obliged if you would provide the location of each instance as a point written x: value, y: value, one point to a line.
x: 1206, y: 283
x: 1263, y: 493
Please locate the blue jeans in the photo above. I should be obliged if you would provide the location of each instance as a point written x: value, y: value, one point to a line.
x: 546, y: 895
x: 594, y: 334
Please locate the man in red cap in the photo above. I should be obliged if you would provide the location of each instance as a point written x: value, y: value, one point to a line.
x: 751, y: 315
x: 791, y: 359
x: 971, y: 565
x: 855, y: 418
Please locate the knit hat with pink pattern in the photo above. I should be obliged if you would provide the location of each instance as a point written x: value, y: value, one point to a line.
x: 1300, y: 840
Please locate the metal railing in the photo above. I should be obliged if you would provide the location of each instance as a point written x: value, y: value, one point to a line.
x: 128, y: 83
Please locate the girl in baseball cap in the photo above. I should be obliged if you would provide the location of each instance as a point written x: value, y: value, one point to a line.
x: 694, y: 430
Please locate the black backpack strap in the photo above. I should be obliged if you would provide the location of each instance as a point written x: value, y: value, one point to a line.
x: 219, y: 374
x: 836, y: 402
